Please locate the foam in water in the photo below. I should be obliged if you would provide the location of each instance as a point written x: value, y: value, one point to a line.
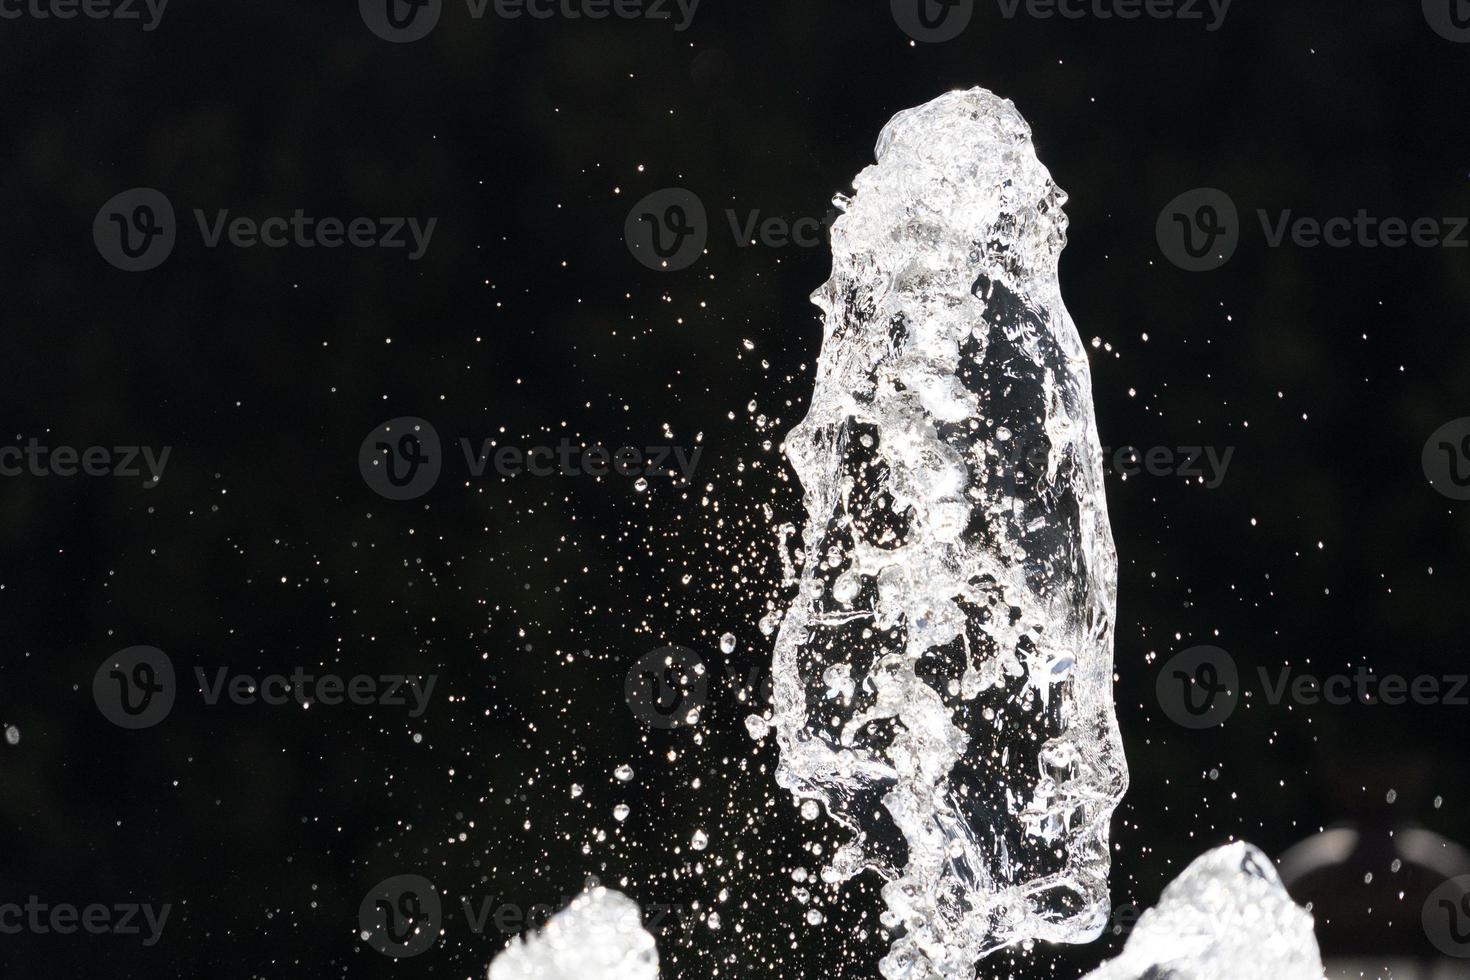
x: 943, y: 677
x: 599, y: 936
x: 1227, y: 917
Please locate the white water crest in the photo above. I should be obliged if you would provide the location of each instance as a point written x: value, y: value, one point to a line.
x: 599, y: 936
x: 1227, y: 917
x: 943, y: 677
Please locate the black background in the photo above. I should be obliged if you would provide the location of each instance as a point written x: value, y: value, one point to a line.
x: 1324, y: 548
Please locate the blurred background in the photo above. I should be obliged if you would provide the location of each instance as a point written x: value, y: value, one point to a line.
x: 1323, y: 547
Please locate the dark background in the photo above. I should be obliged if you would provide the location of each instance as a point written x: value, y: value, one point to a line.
x: 530, y: 598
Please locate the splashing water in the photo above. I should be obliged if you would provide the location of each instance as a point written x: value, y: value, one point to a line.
x: 1227, y: 917
x: 943, y: 678
x: 599, y: 936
